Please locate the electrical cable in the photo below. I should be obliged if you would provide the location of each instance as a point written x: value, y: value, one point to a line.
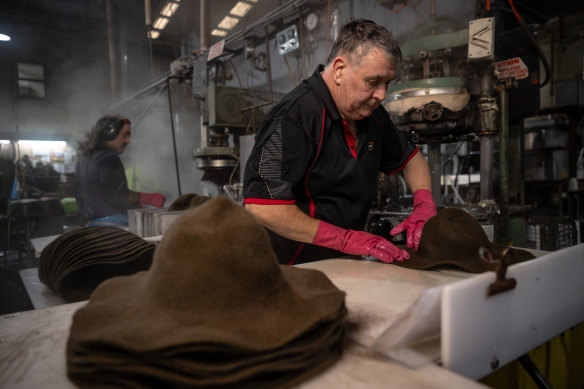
x: 236, y: 73
x: 233, y: 172
x: 515, y: 11
x: 535, y: 45
x: 399, y: 8
x: 150, y: 104
x: 290, y: 73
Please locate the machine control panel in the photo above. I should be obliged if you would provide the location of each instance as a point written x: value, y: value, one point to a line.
x: 288, y: 40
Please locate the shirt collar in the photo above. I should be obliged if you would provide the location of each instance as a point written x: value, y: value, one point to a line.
x: 317, y: 83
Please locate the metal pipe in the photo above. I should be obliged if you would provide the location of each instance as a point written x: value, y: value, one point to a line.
x: 536, y: 375
x: 148, y: 23
x: 112, y: 52
x: 154, y: 84
x: 204, y: 37
x: 147, y: 13
x: 301, y: 41
x: 435, y: 162
x: 503, y: 160
x: 251, y: 107
x: 204, y: 28
x: 172, y: 132
x: 486, y: 168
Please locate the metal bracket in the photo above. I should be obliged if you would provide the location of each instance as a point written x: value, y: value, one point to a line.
x: 502, y: 284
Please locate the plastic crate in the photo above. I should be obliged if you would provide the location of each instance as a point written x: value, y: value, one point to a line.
x: 551, y: 233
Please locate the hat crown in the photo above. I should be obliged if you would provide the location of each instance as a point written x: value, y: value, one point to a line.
x: 452, y: 232
x: 215, y: 249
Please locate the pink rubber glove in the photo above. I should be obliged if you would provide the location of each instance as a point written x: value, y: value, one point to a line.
x: 154, y: 199
x: 424, y: 209
x: 357, y: 243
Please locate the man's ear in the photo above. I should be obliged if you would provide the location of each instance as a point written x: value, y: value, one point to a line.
x: 339, y: 66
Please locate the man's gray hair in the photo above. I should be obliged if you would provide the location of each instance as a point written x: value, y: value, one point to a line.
x: 359, y: 37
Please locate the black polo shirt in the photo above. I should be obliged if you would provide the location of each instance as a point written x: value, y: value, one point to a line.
x: 304, y: 155
x: 101, y: 185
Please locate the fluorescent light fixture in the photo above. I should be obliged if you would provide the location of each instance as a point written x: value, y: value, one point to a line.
x: 160, y: 23
x: 43, y: 143
x: 219, y: 32
x: 153, y: 34
x: 252, y: 1
x: 228, y: 22
x: 169, y: 9
x: 240, y: 9
x: 4, y: 37
x: 4, y: 142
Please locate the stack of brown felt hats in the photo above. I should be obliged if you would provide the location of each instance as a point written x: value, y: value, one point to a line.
x: 77, y: 261
x: 453, y: 238
x: 214, y: 310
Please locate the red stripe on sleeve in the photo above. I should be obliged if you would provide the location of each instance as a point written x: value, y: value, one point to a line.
x: 268, y: 201
x: 405, y: 163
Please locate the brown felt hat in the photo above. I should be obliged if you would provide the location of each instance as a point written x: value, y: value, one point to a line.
x: 186, y: 201
x: 214, y: 308
x: 76, y: 262
x: 453, y: 238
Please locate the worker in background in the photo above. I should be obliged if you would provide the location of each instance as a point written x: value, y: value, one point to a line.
x: 312, y: 173
x: 103, y: 196
x: 25, y: 177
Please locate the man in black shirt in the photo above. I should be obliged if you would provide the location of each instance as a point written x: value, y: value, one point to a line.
x: 103, y: 196
x: 312, y: 174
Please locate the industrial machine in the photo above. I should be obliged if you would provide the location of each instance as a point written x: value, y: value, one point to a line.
x: 452, y: 96
x: 444, y: 96
x: 227, y: 113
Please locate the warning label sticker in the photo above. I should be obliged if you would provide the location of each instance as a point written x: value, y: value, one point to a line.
x: 513, y: 67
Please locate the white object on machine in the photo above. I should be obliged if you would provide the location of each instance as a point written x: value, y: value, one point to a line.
x: 481, y: 40
x: 478, y: 333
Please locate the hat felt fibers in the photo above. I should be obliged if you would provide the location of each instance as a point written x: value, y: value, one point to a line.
x: 214, y: 310
x: 452, y: 238
x: 76, y: 262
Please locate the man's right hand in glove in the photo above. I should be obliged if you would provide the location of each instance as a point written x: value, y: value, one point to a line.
x: 357, y: 243
x: 154, y: 199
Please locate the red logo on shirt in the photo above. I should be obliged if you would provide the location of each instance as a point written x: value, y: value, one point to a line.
x: 370, y: 146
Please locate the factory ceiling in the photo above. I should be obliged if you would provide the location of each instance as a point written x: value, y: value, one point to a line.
x: 89, y: 16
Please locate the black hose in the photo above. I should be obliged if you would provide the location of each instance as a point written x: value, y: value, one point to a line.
x: 540, y: 53
x: 535, y: 45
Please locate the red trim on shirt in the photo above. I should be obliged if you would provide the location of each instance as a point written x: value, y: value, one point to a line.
x: 296, y: 254
x: 377, y: 121
x: 316, y: 156
x: 267, y: 201
x: 350, y: 138
x: 405, y: 163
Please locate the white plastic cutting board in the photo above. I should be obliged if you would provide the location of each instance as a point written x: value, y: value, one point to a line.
x: 481, y: 333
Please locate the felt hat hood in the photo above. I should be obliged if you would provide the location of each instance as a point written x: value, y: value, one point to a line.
x: 214, y: 279
x: 186, y: 201
x: 75, y: 263
x: 453, y: 238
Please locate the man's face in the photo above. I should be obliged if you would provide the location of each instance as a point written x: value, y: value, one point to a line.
x: 122, y: 140
x: 362, y: 86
